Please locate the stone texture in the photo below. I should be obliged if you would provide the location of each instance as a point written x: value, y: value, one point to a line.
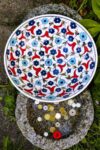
x: 47, y: 144
x: 12, y: 12
x: 5, y: 32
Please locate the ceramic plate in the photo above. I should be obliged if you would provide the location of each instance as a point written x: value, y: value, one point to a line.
x: 50, y: 58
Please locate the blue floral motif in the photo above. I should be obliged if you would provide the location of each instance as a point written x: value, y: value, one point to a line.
x: 53, y: 52
x: 86, y: 78
x: 30, y: 85
x: 27, y: 34
x: 55, y: 71
x: 13, y: 63
x: 80, y: 87
x: 83, y: 36
x: 41, y: 53
x: 18, y: 32
x: 46, y: 42
x: 30, y: 74
x: 92, y: 65
x: 78, y: 49
x: 19, y: 71
x: 43, y: 72
x: 58, y: 40
x: 48, y: 62
x: 61, y: 82
x: 59, y: 61
x: 30, y: 53
x: 16, y: 81
x: 86, y: 56
x: 25, y: 63
x: 34, y: 43
x: 68, y: 90
x: 90, y: 44
x: 58, y: 89
x: 13, y: 42
x: 38, y: 83
x: 63, y: 30
x: 50, y: 83
x: 51, y: 97
x: 73, y: 25
x: 80, y: 69
x: 39, y: 32
x: 72, y: 61
x: 36, y: 62
x: 22, y: 43
x: 65, y: 49
x: 57, y: 20
x: 7, y: 51
x: 45, y: 21
x: 17, y: 52
x: 65, y: 96
x: 44, y: 90
x: 70, y: 38
x: 74, y: 80
x: 68, y: 70
x: 51, y: 30
x: 31, y: 22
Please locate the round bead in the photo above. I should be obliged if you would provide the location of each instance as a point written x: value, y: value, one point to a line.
x: 66, y: 117
x: 52, y: 129
x: 57, y: 124
x: 70, y: 102
x: 50, y: 107
x: 58, y: 116
x: 78, y: 105
x: 45, y: 107
x: 72, y: 112
x: 39, y: 106
x: 47, y: 116
x: 36, y: 102
x: 45, y: 134
x: 73, y: 105
x: 39, y: 119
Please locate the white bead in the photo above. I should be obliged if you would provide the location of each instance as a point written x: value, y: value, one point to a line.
x: 45, y: 107
x: 78, y: 105
x: 58, y: 116
x: 36, y: 102
x: 57, y: 124
x: 73, y: 105
x: 72, y: 112
x: 39, y: 119
x: 70, y: 102
x: 46, y: 134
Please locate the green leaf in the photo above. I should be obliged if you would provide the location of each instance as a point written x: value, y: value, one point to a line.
x: 98, y: 41
x: 97, y: 78
x: 94, y: 31
x: 84, y: 141
x: 96, y: 7
x: 88, y: 23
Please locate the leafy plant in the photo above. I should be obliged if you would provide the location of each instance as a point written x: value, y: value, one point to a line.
x: 94, y: 26
x: 9, y: 145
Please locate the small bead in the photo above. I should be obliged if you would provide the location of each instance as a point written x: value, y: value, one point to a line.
x: 57, y: 124
x: 72, y: 112
x: 58, y: 116
x: 39, y: 119
x: 45, y: 134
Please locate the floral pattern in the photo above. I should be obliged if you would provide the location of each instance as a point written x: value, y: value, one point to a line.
x: 50, y: 58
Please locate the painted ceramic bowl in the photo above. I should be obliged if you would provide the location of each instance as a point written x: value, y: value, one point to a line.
x: 50, y: 58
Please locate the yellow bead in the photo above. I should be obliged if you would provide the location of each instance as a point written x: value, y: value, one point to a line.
x: 47, y: 116
x: 50, y: 107
x: 52, y: 129
x: 52, y: 117
x: 39, y: 106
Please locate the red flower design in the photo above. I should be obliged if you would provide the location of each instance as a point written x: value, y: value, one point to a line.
x: 57, y: 135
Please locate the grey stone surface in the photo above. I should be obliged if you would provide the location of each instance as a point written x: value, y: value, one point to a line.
x: 47, y: 144
x: 54, y: 9
x: 13, y: 11
x: 5, y: 32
